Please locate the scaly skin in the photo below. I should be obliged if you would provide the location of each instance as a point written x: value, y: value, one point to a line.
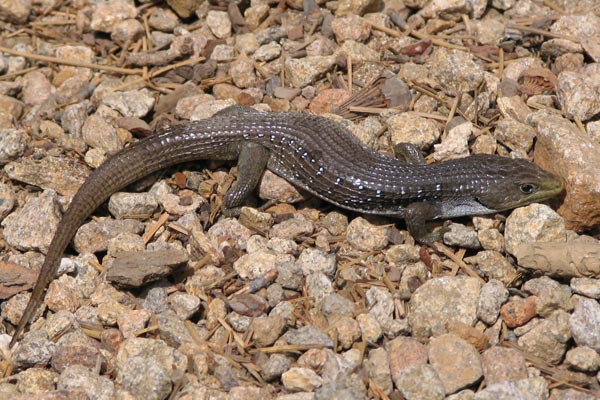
x: 317, y: 155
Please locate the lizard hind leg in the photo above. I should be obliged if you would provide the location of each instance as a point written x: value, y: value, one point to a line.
x: 252, y: 163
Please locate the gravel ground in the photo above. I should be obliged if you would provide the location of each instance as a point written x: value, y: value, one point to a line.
x: 159, y: 297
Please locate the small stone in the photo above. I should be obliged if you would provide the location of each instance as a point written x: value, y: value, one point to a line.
x: 357, y: 7
x: 185, y: 305
x: 156, y: 299
x: 250, y: 393
x: 405, y: 353
x: 321, y: 46
x: 183, y: 202
x: 137, y: 268
x: 123, y: 204
x: 132, y: 103
x: 63, y: 294
x: 267, y: 52
x: 550, y: 295
x: 67, y: 355
x: 370, y: 328
x: 456, y: 362
x: 131, y: 321
x: 35, y: 349
x: 420, y: 382
x: 308, y: 335
x: 32, y: 226
x: 301, y: 379
x: 163, y: 20
x: 583, y: 358
x: 148, y: 367
x: 491, y: 239
x: 315, y: 260
x: 533, y: 223
x: 273, y: 187
x: 456, y: 71
x: 267, y: 329
x: 275, y: 367
x: 442, y: 300
x: 285, y: 309
x: 282, y: 246
x: 548, y: 338
x: 36, y: 89
x: 12, y: 145
x: 378, y: 368
x: 304, y: 71
x: 11, y: 106
x: 222, y: 53
x: 503, y: 364
x: 513, y: 107
x: 292, y: 228
x: 515, y: 135
x: 125, y: 242
x: 255, y: 265
x: 484, y: 144
x: 364, y: 236
x: 494, y: 265
x: 571, y: 394
x: 77, y: 377
x: 175, y: 332
x: 455, y: 144
x: 335, y: 222
x: 461, y: 236
x: 402, y: 254
x: 318, y: 287
x: 94, y: 157
x: 219, y: 23
x: 577, y: 92
x: 7, y: 200
x: 336, y: 305
x: 491, y: 297
x: 95, y: 235
x: 242, y: 72
x: 106, y: 15
x: 62, y: 174
x: 588, y: 287
x: 413, y: 129
x: 127, y: 31
x: 518, y: 312
x: 246, y: 43
x: 348, y: 331
x: 584, y: 322
x: 16, y: 12
x: 35, y: 380
x: 256, y: 14
x: 97, y: 132
x: 351, y: 27
x: 289, y: 274
x: 531, y: 388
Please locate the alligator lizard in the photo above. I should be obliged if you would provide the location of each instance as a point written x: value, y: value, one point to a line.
x: 315, y: 154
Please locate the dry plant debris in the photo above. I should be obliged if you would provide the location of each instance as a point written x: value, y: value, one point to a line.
x: 301, y: 300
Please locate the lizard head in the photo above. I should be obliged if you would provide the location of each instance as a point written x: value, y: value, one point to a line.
x: 517, y: 182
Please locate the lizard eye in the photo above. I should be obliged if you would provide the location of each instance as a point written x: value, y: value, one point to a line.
x: 528, y: 188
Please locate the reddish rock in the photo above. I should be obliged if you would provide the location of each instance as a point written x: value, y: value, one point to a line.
x: 76, y: 355
x: 405, y: 352
x: 111, y: 339
x: 518, y: 312
x: 327, y: 99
